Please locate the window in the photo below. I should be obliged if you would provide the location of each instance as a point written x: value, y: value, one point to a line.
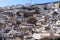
x: 18, y: 14
x: 59, y: 5
x: 45, y: 8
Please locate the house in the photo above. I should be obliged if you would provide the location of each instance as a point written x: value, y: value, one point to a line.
x: 17, y: 38
x: 37, y: 36
x: 39, y: 17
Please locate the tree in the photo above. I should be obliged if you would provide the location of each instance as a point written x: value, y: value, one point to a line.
x: 47, y: 28
x: 32, y: 20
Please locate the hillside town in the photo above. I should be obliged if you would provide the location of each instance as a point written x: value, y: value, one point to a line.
x: 30, y: 22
